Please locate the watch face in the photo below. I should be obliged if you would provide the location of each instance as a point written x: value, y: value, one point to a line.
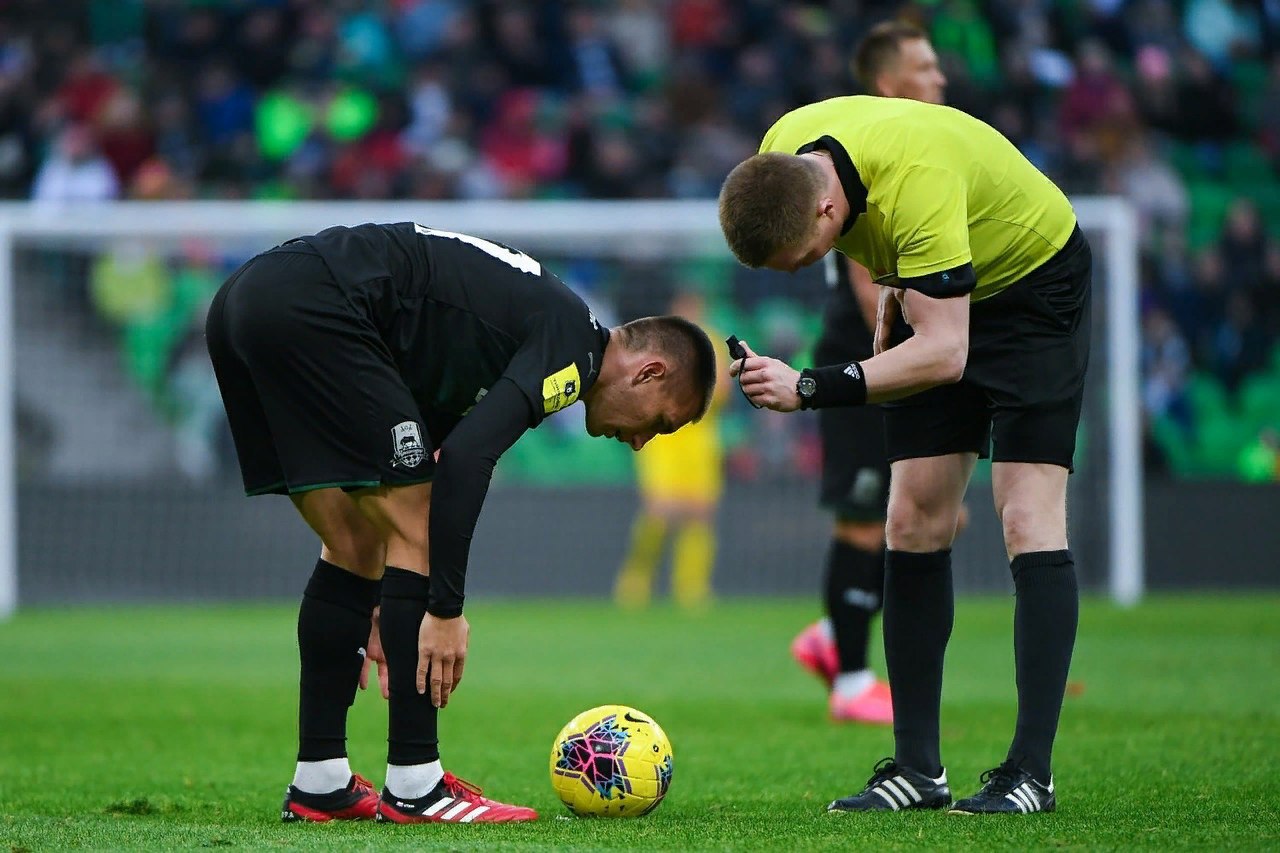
x: 806, y: 386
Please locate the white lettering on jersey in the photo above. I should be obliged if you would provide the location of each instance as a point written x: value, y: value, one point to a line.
x: 510, y: 257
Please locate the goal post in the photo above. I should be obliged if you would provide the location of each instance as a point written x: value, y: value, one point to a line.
x: 1124, y: 386
x: 666, y: 231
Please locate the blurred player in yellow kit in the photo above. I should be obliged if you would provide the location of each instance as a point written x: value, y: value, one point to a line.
x: 680, y: 479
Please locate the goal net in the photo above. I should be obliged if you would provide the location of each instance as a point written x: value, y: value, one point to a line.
x: 118, y: 480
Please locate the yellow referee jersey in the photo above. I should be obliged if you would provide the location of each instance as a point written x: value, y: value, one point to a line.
x: 941, y: 189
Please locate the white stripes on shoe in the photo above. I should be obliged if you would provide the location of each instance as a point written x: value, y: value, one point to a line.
x: 1024, y: 798
x: 431, y: 810
x: 896, y: 792
x: 459, y: 811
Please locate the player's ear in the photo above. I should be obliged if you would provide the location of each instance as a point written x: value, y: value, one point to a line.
x: 653, y: 368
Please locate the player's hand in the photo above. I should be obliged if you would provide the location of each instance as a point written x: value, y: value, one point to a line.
x: 888, y: 307
x: 442, y: 654
x: 767, y: 382
x: 373, y: 652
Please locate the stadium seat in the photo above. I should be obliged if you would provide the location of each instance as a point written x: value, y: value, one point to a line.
x: 1260, y: 401
x: 1176, y: 444
x: 1218, y: 444
x: 1250, y: 79
x: 1247, y: 166
x: 1207, y: 396
x: 1209, y: 203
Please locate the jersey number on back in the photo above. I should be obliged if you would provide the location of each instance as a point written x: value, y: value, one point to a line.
x: 510, y: 257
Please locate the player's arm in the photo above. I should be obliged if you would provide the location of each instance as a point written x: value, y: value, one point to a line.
x: 467, y: 459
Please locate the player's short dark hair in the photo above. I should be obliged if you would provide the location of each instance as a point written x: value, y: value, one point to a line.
x: 685, y: 343
x: 769, y: 202
x: 879, y: 49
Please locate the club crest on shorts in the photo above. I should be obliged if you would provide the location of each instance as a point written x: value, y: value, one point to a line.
x: 406, y: 439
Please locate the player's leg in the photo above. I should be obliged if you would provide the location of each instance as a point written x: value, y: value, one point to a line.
x: 854, y: 487
x: 854, y: 594
x: 418, y: 790
x: 334, y: 623
x: 693, y: 554
x: 633, y: 586
x: 254, y: 324
x: 400, y: 516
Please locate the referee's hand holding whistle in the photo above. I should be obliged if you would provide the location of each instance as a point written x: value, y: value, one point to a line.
x: 766, y: 381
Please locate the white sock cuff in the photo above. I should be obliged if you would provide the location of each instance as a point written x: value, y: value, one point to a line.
x: 322, y: 777
x: 851, y: 684
x: 413, y: 781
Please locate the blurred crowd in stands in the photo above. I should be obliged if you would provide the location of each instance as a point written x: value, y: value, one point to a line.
x: 1174, y: 104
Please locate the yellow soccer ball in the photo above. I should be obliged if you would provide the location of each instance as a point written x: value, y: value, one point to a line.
x: 611, y: 761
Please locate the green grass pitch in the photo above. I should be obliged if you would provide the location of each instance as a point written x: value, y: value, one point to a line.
x: 173, y: 727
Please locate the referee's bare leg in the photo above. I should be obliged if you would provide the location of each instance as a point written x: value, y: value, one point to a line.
x: 925, y: 498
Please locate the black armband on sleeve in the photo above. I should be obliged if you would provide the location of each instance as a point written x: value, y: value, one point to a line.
x: 940, y: 285
x: 461, y: 483
x: 837, y: 385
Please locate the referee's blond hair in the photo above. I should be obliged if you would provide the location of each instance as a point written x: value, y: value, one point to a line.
x: 769, y: 202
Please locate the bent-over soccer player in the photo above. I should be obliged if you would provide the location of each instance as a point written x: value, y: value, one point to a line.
x: 375, y: 374
x: 982, y: 341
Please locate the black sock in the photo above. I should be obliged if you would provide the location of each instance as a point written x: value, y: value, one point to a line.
x: 855, y: 590
x: 333, y: 627
x: 919, y: 609
x: 411, y: 726
x: 1044, y: 633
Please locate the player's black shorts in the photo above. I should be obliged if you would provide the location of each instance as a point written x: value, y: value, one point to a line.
x: 855, y: 469
x: 312, y: 394
x: 1019, y: 400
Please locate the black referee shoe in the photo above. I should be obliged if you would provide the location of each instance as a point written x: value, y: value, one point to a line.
x: 893, y: 787
x: 1008, y: 789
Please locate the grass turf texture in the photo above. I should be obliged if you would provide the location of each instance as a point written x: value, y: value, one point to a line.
x: 174, y: 727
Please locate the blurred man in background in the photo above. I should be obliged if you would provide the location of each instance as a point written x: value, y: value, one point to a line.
x: 375, y: 374
x: 894, y: 60
x: 680, y: 479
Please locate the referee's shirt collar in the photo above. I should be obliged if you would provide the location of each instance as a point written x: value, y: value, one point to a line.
x: 850, y: 181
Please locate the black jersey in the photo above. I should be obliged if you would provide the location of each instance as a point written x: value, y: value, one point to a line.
x: 468, y: 324
x: 845, y: 334
x: 458, y: 312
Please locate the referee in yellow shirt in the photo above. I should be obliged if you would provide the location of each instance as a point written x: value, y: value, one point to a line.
x: 981, y: 346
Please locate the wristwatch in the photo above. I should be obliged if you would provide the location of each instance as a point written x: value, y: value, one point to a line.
x: 806, y: 387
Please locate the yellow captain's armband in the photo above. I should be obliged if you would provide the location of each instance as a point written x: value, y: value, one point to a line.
x: 560, y: 389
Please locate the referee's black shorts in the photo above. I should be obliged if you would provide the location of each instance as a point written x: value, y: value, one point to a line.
x: 312, y: 394
x: 1019, y: 400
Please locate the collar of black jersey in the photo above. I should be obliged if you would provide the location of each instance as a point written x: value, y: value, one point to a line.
x: 850, y: 181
